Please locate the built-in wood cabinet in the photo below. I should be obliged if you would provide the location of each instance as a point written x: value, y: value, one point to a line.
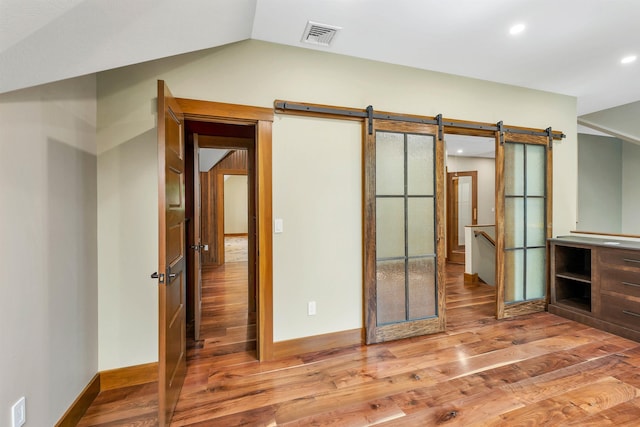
x: 597, y: 282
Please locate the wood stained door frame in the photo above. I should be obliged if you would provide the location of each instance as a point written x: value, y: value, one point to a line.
x: 220, y: 248
x: 262, y: 118
x: 452, y: 255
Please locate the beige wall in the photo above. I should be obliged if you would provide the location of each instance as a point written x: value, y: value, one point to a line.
x: 236, y: 204
x: 316, y: 178
x: 48, y: 249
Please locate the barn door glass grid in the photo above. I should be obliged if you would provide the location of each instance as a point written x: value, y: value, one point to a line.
x: 406, y: 262
x: 525, y: 221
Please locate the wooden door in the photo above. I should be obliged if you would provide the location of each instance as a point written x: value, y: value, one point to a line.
x: 462, y: 210
x: 171, y: 254
x: 197, y: 241
x: 404, y: 231
x: 523, y: 223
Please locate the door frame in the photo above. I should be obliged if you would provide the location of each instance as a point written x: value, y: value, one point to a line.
x: 219, y: 206
x: 453, y: 256
x: 262, y: 118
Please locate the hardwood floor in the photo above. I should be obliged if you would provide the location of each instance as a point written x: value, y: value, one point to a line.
x: 226, y: 326
x: 535, y: 370
x: 467, y: 301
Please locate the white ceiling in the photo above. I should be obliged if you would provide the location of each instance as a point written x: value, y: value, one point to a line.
x: 572, y: 47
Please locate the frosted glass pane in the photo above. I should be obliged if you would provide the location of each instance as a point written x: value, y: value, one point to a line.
x: 514, y: 222
x: 513, y: 169
x: 420, y: 165
x: 535, y: 170
x: 389, y: 227
x: 465, y: 206
x: 422, y: 288
x: 536, y: 284
x: 536, y: 235
x: 389, y: 163
x: 514, y: 275
x: 391, y: 292
x: 420, y: 221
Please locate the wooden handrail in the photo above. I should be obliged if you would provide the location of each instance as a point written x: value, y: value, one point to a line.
x: 486, y: 236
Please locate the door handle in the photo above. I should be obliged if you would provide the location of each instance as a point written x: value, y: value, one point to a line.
x: 172, y: 275
x: 160, y: 277
x: 195, y: 247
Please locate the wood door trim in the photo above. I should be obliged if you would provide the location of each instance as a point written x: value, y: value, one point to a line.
x: 219, y: 206
x: 260, y: 117
x: 210, y: 111
x: 451, y: 229
x: 499, y: 200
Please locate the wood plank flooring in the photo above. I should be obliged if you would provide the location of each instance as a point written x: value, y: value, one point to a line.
x: 226, y: 325
x: 535, y: 370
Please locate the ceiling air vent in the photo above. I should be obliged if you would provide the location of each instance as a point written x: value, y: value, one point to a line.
x: 319, y: 34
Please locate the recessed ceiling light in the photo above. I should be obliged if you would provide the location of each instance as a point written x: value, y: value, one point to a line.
x: 628, y: 59
x: 460, y: 151
x: 517, y: 29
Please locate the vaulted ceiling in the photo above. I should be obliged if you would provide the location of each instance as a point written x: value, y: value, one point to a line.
x: 573, y: 47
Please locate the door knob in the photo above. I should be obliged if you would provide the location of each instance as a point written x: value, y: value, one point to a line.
x: 154, y: 275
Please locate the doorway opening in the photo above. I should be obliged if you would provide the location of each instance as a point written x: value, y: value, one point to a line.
x: 221, y: 201
x: 470, y: 231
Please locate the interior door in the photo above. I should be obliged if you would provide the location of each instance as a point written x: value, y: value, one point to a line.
x: 523, y: 213
x: 171, y: 254
x: 404, y: 231
x: 197, y: 240
x: 462, y: 210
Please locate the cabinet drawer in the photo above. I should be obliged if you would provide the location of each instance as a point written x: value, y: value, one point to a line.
x: 621, y: 311
x: 621, y: 281
x: 629, y: 260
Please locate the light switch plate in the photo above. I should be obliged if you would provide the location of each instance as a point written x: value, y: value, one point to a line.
x: 278, y: 225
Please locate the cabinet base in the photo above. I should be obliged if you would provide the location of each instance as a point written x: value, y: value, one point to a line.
x: 596, y: 323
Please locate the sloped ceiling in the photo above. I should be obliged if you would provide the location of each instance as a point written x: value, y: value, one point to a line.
x: 572, y: 47
x: 47, y: 40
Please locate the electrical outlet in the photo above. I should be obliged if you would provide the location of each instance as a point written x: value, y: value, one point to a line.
x: 19, y: 413
x: 311, y: 308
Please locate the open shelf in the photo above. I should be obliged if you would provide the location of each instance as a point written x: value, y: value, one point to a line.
x: 573, y: 277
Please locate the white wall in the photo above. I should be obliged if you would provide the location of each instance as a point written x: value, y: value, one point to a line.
x: 315, y: 241
x: 236, y: 204
x: 48, y: 249
x: 486, y: 183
